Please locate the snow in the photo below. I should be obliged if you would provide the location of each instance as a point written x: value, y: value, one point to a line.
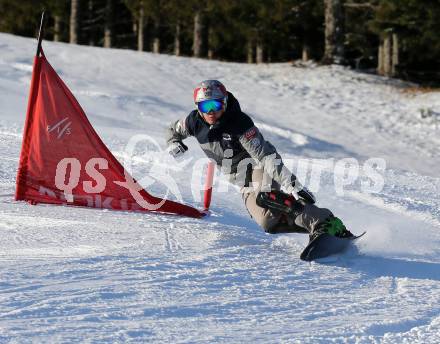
x: 85, y: 275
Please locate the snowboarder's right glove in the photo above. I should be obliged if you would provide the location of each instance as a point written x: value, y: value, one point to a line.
x: 177, y: 149
x: 300, y: 191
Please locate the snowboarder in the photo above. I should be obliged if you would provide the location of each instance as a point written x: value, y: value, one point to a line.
x: 229, y: 137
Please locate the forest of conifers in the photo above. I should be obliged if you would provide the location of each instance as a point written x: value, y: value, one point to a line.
x: 398, y: 38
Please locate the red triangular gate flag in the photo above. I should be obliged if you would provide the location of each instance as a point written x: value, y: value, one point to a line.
x: 63, y: 160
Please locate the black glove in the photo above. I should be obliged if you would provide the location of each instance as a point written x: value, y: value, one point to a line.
x: 307, y: 195
x: 300, y: 191
x: 177, y: 148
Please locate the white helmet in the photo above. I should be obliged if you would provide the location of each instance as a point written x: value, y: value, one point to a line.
x: 210, y: 89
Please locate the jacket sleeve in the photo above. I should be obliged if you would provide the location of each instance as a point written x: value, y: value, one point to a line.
x: 266, y: 154
x: 177, y: 131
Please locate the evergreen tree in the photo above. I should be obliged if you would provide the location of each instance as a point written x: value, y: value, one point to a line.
x: 20, y: 17
x: 401, y: 36
x: 417, y: 25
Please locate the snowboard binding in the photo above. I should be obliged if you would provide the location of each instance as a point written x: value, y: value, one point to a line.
x: 280, y: 202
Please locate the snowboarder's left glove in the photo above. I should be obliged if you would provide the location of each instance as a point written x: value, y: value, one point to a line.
x: 300, y: 191
x: 177, y: 149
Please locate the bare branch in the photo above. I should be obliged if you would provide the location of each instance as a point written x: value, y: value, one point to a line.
x: 361, y: 5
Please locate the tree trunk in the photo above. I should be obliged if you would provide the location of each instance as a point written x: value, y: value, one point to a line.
x: 395, y: 54
x: 177, y: 39
x: 387, y: 62
x: 134, y: 27
x: 57, y: 28
x: 388, y: 56
x: 305, y: 53
x: 197, y: 37
x: 140, y: 27
x: 259, y: 52
x: 90, y: 6
x: 380, y: 59
x: 334, y: 31
x: 156, y: 38
x: 108, y: 24
x: 250, y: 52
x: 210, y: 43
x: 74, y: 19
x: 156, y: 45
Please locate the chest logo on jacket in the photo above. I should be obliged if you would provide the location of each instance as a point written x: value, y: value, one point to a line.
x: 250, y: 133
x: 227, y: 137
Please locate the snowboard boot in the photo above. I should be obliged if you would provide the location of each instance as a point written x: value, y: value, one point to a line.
x: 333, y: 226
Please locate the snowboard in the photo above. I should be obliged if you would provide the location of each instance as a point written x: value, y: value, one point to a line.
x: 325, y: 245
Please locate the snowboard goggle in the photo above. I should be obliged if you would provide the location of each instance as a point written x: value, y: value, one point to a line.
x: 210, y: 105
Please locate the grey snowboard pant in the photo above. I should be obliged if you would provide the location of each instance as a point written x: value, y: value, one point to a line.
x: 277, y: 222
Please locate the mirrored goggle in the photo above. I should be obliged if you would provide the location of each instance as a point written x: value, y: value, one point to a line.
x: 210, y: 105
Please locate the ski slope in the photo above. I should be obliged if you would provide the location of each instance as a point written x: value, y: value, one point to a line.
x: 86, y: 275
